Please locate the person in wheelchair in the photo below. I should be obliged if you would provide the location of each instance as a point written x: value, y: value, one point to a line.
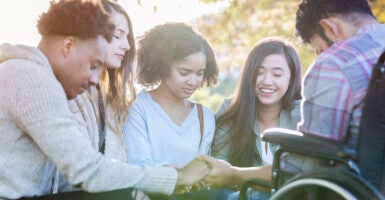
x: 348, y: 41
x: 267, y: 95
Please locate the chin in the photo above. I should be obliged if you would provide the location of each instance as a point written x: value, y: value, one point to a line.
x: 113, y: 65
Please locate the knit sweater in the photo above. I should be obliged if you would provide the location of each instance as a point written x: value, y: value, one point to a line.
x: 84, y: 111
x: 38, y: 133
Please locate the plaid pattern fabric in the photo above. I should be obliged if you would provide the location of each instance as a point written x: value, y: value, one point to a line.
x: 335, y: 85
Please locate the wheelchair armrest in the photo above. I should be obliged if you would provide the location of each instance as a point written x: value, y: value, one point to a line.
x: 253, y: 182
x: 297, y: 142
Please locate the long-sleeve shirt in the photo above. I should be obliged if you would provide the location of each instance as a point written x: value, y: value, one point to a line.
x: 37, y: 134
x: 152, y: 138
x: 335, y: 85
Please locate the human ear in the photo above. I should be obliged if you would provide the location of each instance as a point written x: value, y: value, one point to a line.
x: 330, y: 28
x: 68, y: 44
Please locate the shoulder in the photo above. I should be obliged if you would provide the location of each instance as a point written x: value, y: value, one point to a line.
x: 361, y: 48
x: 296, y: 109
x: 142, y: 99
x: 142, y: 95
x: 208, y: 113
x: 24, y: 77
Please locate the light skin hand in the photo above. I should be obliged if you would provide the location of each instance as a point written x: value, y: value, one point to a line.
x: 222, y: 172
x: 191, y: 174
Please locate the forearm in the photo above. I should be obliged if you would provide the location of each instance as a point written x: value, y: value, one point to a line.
x: 241, y: 174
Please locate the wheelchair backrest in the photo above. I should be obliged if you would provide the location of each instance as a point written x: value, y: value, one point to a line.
x: 371, y: 143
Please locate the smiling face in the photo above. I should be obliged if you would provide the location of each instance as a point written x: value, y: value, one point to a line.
x: 119, y: 44
x: 273, y: 80
x: 186, y: 76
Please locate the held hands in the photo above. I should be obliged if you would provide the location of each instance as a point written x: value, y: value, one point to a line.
x: 221, y: 174
x: 190, y: 175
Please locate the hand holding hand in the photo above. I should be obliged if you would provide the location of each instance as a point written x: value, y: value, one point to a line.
x: 221, y: 174
x: 191, y: 174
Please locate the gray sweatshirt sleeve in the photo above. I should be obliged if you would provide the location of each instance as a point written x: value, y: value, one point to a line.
x: 37, y: 102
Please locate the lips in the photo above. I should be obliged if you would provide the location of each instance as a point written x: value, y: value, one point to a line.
x: 189, y: 90
x: 120, y: 56
x: 266, y: 91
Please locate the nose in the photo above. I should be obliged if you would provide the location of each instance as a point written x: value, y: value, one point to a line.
x: 194, y: 80
x: 125, y: 45
x: 267, y: 79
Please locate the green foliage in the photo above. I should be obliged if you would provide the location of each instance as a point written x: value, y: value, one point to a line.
x: 235, y: 30
x: 378, y: 7
x: 208, y: 98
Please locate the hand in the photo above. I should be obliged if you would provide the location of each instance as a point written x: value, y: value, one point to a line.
x: 221, y: 173
x: 191, y: 174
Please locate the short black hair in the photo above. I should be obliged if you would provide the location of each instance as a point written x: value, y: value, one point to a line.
x: 166, y: 44
x: 84, y: 19
x: 310, y: 13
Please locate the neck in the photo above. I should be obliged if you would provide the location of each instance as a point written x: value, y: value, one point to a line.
x: 45, y: 48
x: 47, y: 45
x: 268, y: 117
x: 165, y: 97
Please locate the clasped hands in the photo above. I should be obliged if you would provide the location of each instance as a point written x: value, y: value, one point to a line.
x: 203, y: 172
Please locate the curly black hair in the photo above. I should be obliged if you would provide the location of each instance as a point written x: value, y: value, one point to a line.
x: 310, y: 13
x: 84, y: 19
x: 166, y: 44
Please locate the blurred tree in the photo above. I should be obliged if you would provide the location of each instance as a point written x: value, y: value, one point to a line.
x: 378, y: 7
x: 235, y: 30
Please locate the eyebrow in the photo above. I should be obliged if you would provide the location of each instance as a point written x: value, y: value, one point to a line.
x: 186, y: 69
x: 274, y: 68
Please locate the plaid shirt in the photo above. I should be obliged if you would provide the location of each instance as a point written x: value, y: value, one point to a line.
x: 335, y: 85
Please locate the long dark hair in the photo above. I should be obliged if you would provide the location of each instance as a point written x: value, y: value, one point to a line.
x: 239, y: 119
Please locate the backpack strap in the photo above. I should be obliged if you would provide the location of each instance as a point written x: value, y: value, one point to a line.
x: 201, y: 120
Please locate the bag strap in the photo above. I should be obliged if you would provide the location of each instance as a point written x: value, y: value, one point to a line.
x: 102, y: 120
x: 201, y: 120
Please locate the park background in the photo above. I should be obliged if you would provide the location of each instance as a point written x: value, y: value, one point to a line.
x: 231, y: 26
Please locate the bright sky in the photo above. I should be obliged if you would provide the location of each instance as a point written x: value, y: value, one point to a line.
x: 18, y: 17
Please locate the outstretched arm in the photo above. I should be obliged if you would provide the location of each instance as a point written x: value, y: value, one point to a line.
x: 223, y: 174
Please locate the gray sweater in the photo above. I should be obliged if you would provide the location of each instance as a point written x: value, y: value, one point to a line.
x: 38, y: 134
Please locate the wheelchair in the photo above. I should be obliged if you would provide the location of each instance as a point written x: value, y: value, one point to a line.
x: 340, y: 177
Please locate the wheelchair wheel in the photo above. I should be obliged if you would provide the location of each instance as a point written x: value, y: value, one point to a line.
x: 327, y: 183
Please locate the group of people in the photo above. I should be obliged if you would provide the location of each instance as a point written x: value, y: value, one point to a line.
x: 71, y: 119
